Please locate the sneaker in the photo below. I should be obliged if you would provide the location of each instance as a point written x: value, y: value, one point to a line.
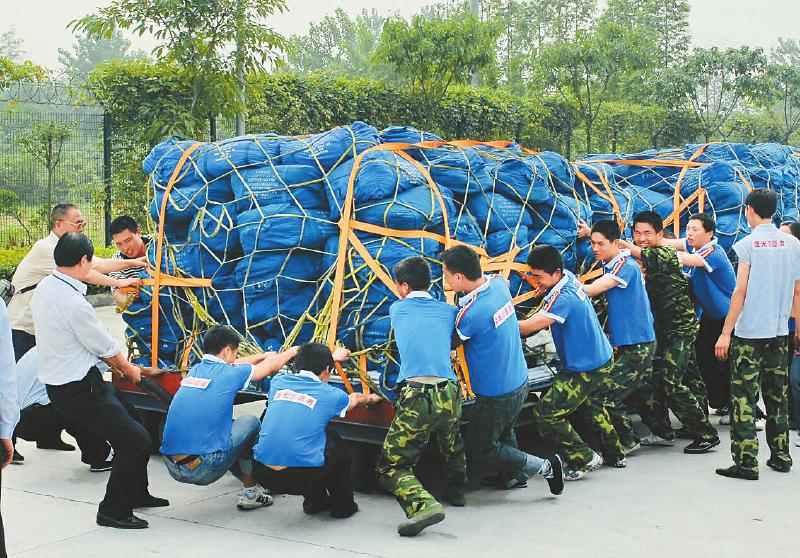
x: 722, y: 411
x: 556, y: 478
x: 725, y: 420
x: 345, y: 512
x: 502, y: 483
x: 313, y: 506
x: 761, y: 424
x: 779, y: 466
x: 632, y: 448
x: 701, y: 446
x: 414, y: 525
x: 102, y: 466
x: 262, y: 499
x: 656, y: 440
x: 455, y: 497
x: 573, y: 474
x: 735, y: 472
x: 594, y: 464
x: 57, y: 444
x: 621, y: 464
x: 17, y: 458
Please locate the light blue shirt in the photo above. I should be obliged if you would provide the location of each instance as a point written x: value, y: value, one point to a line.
x: 9, y: 408
x: 774, y: 259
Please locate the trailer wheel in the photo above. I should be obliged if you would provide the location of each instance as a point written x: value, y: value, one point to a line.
x: 363, y: 457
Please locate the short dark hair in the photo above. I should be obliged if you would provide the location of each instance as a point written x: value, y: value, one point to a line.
x: 763, y: 201
x: 706, y: 221
x: 649, y: 218
x: 59, y: 212
x: 314, y: 357
x: 463, y: 259
x: 415, y: 271
x: 71, y: 248
x: 608, y: 228
x: 123, y: 223
x: 545, y: 258
x: 794, y: 227
x: 218, y: 338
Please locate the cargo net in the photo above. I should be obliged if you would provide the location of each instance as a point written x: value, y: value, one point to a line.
x: 289, y: 239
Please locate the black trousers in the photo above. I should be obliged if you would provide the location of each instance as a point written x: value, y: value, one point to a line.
x: 93, y: 404
x: 2, y: 529
x: 23, y: 342
x: 43, y: 423
x: 314, y: 483
x: 716, y: 374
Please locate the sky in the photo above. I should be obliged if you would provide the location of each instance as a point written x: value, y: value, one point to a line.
x: 724, y: 23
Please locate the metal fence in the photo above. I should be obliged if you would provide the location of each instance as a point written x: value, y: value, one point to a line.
x: 48, y: 158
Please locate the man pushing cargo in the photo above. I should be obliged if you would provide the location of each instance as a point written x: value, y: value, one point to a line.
x: 428, y: 403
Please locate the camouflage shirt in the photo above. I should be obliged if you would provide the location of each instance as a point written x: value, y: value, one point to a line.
x: 668, y: 291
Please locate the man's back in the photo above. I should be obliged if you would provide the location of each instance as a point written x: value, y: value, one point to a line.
x: 774, y: 259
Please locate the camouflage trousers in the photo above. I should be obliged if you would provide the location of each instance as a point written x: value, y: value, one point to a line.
x: 420, y: 413
x: 759, y: 363
x: 577, y: 396
x: 633, y: 368
x: 668, y: 391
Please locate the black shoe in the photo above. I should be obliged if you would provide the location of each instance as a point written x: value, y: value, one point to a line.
x: 100, y: 467
x: 314, y: 506
x: 455, y: 497
x: 684, y: 434
x: 502, y: 483
x: 130, y: 522
x: 17, y: 457
x: 414, y: 525
x: 345, y: 512
x: 151, y: 501
x: 556, y: 482
x: 735, y: 472
x: 701, y: 446
x: 778, y: 466
x: 57, y: 444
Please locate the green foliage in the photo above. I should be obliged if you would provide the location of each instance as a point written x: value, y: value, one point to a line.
x: 89, y: 52
x: 713, y: 82
x: 781, y: 98
x: 45, y: 143
x: 11, y: 45
x: 340, y: 45
x: 10, y: 258
x: 431, y: 54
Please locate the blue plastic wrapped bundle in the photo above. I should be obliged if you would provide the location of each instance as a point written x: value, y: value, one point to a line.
x: 461, y: 170
x: 560, y: 216
x: 414, y: 209
x: 223, y: 157
x: 769, y: 155
x: 495, y: 212
x: 331, y: 148
x: 216, y: 228
x: 463, y: 227
x: 405, y: 134
x: 498, y: 243
x: 645, y: 199
x: 301, y: 185
x: 224, y: 300
x: 559, y: 171
x: 284, y: 226
x: 729, y: 152
x: 521, y: 179
x: 727, y: 203
x: 185, y: 200
x: 162, y: 159
x: 187, y: 259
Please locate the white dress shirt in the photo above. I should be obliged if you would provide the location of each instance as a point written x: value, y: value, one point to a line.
x: 30, y: 390
x: 9, y: 409
x: 69, y: 334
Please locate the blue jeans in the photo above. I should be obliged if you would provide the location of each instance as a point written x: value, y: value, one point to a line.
x: 213, y: 466
x: 490, y: 439
x: 794, y: 392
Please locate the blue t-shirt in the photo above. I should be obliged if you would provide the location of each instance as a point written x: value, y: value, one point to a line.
x: 423, y: 330
x: 630, y: 321
x: 713, y: 283
x: 201, y: 413
x: 293, y: 431
x: 580, y: 342
x: 492, y: 344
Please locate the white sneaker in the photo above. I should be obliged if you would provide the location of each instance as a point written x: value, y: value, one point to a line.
x: 656, y: 440
x: 594, y: 464
x: 262, y: 499
x: 573, y: 474
x: 633, y: 448
x: 761, y: 424
x: 724, y: 420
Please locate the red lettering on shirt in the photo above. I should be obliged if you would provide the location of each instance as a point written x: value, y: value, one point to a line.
x: 192, y: 382
x: 295, y: 397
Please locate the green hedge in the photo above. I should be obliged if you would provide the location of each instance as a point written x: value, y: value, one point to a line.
x: 10, y: 258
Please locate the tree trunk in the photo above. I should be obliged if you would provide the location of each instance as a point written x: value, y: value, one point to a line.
x: 588, y: 138
x: 240, y: 115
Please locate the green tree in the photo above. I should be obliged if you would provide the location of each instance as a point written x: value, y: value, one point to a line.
x: 11, y: 45
x: 585, y: 71
x: 45, y: 143
x: 666, y: 20
x: 340, y: 45
x: 713, y: 82
x: 781, y: 98
x: 787, y: 53
x: 212, y: 41
x: 430, y: 55
x: 87, y: 53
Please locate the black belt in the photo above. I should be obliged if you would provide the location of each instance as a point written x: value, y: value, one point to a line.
x: 423, y: 385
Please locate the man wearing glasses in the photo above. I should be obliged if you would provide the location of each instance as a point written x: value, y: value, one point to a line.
x: 39, y: 263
